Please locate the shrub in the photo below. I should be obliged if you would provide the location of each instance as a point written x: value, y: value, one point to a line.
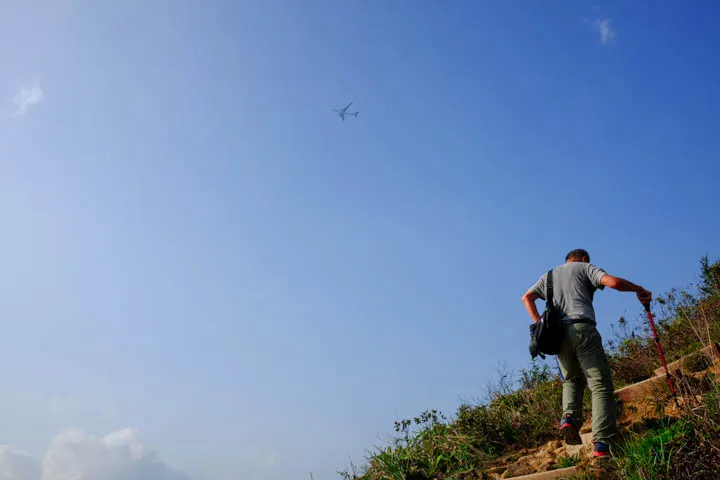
x: 425, y: 447
x: 687, y: 320
x: 632, y: 357
x: 524, y: 417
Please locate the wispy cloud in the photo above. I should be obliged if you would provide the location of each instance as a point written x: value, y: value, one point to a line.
x: 606, y: 30
x: 27, y: 97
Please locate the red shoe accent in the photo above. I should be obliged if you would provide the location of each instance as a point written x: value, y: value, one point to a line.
x: 569, y: 432
x: 601, y: 450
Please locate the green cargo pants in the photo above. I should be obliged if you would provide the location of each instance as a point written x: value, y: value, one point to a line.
x: 583, y: 362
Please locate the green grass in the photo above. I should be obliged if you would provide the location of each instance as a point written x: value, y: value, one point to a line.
x: 648, y: 456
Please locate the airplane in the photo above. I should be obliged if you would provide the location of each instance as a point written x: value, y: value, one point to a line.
x: 343, y: 111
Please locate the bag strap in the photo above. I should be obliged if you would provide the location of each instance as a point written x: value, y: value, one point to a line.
x: 549, y: 289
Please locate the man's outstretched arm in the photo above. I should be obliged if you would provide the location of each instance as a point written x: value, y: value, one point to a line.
x: 622, y: 285
x: 529, y: 301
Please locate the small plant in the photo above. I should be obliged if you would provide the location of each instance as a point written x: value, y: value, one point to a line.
x: 565, y: 462
x: 350, y: 473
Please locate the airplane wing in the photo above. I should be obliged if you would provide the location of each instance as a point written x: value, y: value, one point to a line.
x: 347, y: 106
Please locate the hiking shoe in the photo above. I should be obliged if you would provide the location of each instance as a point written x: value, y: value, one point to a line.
x: 569, y: 431
x: 601, y: 450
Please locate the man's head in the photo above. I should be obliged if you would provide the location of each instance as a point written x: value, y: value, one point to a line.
x: 578, y: 255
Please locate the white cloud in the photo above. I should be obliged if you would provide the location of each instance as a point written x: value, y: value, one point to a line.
x: 76, y: 455
x: 27, y: 97
x: 607, y: 32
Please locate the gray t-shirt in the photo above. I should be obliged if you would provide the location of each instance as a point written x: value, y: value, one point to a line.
x: 574, y: 286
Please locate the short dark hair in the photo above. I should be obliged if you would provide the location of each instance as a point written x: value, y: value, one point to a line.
x: 577, y: 253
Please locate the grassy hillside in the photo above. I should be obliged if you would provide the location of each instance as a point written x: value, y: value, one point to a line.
x: 523, y: 413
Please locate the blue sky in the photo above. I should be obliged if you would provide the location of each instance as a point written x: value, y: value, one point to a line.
x: 195, y: 247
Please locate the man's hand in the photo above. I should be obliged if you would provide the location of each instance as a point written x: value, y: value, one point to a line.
x: 645, y: 296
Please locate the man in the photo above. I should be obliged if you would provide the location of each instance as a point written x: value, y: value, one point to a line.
x: 582, y: 358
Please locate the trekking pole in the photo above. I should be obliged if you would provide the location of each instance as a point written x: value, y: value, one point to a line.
x: 660, y: 351
x: 562, y: 377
